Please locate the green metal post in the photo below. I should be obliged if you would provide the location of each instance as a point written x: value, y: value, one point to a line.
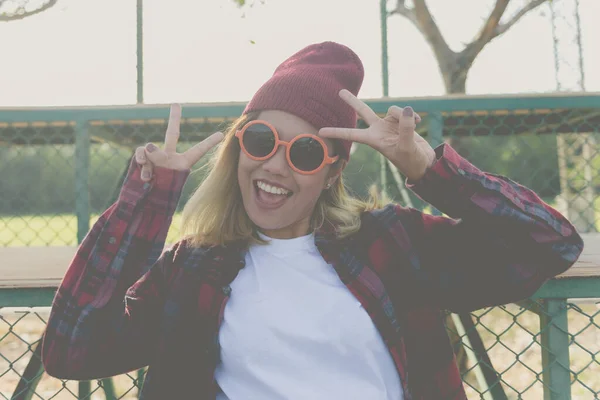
x: 554, y: 327
x: 109, y: 389
x: 489, y: 380
x: 383, y: 175
x: 580, y: 46
x: 82, y: 201
x: 407, y: 201
x: 31, y: 376
x: 435, y: 133
x: 435, y: 137
x: 384, y: 46
x: 140, y: 52
x: 141, y: 374
x: 85, y: 390
x: 385, y: 84
x: 82, y: 165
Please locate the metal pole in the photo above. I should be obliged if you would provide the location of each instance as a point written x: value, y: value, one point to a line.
x: 82, y: 189
x: 435, y: 136
x: 140, y: 53
x: 554, y: 328
x: 580, y: 46
x: 385, y: 85
x: 384, y: 47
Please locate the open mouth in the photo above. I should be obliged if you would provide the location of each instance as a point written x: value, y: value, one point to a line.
x: 271, y: 196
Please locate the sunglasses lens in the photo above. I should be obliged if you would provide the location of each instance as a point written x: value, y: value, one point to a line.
x: 307, y: 154
x: 259, y: 140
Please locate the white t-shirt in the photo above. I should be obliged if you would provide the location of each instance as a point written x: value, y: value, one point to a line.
x: 293, y: 330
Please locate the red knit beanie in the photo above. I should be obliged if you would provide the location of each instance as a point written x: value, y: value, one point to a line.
x: 308, y: 84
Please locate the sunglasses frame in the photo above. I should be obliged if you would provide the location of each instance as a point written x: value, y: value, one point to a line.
x: 288, y: 145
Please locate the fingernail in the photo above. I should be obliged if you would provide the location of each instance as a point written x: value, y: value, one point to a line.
x: 408, y: 111
x: 151, y: 147
x: 145, y: 175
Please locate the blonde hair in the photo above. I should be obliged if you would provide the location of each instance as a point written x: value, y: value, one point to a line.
x: 215, y: 214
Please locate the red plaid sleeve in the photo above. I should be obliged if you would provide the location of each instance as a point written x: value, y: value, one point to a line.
x: 500, y: 245
x: 93, y: 330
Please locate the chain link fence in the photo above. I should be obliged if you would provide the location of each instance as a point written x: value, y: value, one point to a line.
x: 59, y: 173
x: 40, y: 201
x: 511, y: 336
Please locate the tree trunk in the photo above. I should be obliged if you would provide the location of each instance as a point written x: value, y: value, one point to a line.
x: 455, y: 80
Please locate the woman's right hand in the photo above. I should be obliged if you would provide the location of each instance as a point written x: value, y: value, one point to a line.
x: 151, y: 156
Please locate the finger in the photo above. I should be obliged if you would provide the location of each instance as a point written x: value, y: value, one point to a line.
x: 172, y: 135
x: 407, y: 121
x: 396, y: 112
x: 194, y: 154
x: 361, y: 108
x: 146, y: 173
x: 140, y: 156
x: 155, y: 155
x: 354, y: 135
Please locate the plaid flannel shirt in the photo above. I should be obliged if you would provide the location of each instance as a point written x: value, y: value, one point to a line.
x: 123, y: 305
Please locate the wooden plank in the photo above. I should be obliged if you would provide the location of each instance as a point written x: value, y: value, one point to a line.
x: 36, y: 267
x: 588, y: 263
x: 25, y: 267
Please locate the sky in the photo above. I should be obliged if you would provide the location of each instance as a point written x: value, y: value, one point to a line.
x: 83, y: 52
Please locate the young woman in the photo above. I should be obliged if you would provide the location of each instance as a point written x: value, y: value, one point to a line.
x: 284, y: 286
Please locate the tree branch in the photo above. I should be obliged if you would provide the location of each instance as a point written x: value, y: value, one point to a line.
x: 530, y: 6
x: 25, y: 14
x: 406, y: 12
x: 455, y: 66
x: 488, y: 31
x: 489, y: 28
x: 423, y: 20
x: 492, y: 28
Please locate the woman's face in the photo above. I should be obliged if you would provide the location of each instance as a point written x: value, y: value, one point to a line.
x: 285, y: 215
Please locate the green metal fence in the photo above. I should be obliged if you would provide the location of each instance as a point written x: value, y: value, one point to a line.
x: 60, y: 167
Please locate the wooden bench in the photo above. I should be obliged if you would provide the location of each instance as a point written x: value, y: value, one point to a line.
x: 44, y: 267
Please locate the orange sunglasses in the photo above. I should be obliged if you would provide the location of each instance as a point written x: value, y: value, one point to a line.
x: 306, y: 153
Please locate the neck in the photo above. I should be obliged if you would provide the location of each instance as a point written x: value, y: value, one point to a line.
x: 297, y: 229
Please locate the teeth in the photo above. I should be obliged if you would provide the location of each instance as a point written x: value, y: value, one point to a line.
x: 271, y: 189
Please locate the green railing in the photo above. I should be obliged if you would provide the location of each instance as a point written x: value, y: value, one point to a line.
x: 61, y: 167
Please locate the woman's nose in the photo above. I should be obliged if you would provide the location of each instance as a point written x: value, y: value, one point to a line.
x: 277, y: 164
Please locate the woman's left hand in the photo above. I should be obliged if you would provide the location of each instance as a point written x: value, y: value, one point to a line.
x: 393, y: 136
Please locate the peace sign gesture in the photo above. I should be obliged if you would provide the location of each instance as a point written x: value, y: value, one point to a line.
x: 150, y: 156
x: 393, y: 136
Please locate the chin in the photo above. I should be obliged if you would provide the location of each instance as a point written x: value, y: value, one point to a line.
x: 265, y: 222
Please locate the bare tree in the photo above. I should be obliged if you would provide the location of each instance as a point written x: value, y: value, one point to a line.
x: 453, y: 65
x: 12, y: 10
